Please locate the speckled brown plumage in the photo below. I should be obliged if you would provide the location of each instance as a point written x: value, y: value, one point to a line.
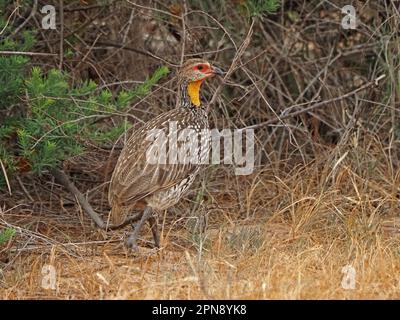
x: 136, y: 183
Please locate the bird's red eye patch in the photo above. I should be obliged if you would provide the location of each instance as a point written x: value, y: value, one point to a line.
x: 201, y: 67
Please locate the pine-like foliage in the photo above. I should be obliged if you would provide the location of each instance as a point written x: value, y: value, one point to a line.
x: 12, y: 74
x: 259, y: 7
x: 6, y: 235
x: 53, y: 121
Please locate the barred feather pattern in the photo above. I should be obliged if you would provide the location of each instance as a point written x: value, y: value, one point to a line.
x: 160, y: 185
x: 137, y: 181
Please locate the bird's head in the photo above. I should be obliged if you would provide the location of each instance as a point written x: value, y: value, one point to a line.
x: 192, y: 75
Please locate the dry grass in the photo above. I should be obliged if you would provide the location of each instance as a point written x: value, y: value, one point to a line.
x: 287, y: 237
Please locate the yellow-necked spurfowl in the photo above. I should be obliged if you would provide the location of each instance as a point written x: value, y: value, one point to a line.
x: 138, y: 183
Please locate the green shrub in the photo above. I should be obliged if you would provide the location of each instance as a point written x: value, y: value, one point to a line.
x: 259, y: 7
x: 49, y: 121
x: 6, y: 235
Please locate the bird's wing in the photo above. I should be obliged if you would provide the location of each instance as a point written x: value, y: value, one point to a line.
x: 135, y: 175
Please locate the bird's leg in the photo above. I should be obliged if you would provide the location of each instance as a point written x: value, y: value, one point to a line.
x: 132, y: 240
x: 154, y: 229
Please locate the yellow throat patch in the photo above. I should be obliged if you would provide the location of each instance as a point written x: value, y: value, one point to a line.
x: 194, y: 92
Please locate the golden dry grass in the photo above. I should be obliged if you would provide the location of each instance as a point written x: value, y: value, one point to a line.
x: 281, y: 233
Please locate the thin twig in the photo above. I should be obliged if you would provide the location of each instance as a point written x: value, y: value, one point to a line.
x: 89, y: 7
x: 5, y: 176
x: 154, y: 9
x: 183, y: 32
x: 24, y: 189
x: 9, y: 18
x: 235, y: 61
x: 27, y: 53
x: 61, y: 34
x: 64, y: 180
x: 142, y: 52
x: 128, y: 26
x: 374, y: 82
x: 33, y: 12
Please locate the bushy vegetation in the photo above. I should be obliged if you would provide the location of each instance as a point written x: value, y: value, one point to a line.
x: 259, y: 7
x: 6, y: 235
x: 49, y: 121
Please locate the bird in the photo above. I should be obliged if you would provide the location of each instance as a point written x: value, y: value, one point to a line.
x: 154, y: 186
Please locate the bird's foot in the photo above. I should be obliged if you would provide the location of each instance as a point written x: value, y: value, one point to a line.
x: 144, y: 251
x: 131, y: 243
x: 132, y: 240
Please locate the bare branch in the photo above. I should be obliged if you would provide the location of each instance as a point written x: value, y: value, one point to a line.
x: 372, y: 83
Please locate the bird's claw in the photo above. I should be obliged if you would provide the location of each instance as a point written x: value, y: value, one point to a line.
x: 131, y: 243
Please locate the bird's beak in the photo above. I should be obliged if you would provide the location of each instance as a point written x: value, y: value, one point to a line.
x: 218, y: 71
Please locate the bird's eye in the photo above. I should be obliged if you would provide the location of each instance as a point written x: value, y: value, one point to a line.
x: 200, y: 67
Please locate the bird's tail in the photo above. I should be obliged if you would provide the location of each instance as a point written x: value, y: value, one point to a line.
x: 117, y: 214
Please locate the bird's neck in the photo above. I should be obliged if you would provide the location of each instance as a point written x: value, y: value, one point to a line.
x: 190, y: 93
